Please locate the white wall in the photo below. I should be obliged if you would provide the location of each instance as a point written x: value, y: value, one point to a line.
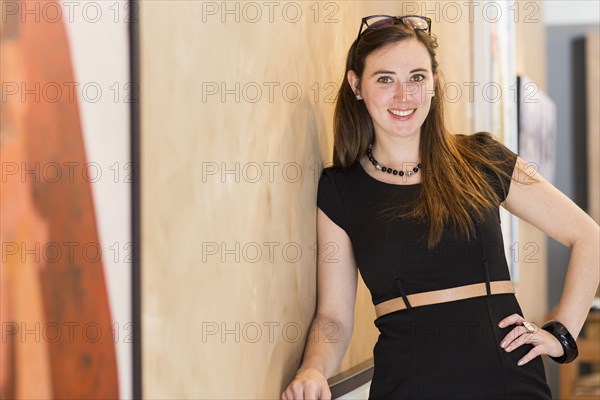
x: 99, y: 44
x: 571, y: 12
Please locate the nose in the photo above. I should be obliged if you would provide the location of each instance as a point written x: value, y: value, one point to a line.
x: 405, y: 91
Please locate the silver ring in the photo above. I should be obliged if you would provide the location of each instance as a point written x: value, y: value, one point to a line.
x: 529, y: 327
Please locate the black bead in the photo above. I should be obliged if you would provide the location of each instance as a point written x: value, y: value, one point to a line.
x: 390, y: 170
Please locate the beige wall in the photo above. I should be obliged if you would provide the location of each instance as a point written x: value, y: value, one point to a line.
x: 202, y: 228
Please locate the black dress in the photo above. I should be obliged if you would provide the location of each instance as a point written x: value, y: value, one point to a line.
x: 442, y: 351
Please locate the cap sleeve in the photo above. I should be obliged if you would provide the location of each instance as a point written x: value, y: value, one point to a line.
x: 504, y: 158
x: 330, y: 198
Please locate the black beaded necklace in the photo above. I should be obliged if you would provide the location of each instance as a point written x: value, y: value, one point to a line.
x: 410, y: 172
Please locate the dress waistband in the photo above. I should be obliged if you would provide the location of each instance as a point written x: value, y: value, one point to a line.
x: 444, y: 296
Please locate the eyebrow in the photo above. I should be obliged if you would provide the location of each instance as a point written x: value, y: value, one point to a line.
x: 380, y: 72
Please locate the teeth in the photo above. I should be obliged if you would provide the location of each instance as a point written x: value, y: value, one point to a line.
x: 401, y: 113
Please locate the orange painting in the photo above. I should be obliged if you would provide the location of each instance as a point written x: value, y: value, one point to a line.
x: 54, y: 309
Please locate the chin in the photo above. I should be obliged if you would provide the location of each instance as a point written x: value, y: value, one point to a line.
x: 404, y: 134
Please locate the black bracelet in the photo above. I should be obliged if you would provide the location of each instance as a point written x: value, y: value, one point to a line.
x: 567, y: 342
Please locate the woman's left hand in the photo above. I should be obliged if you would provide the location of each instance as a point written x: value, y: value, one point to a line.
x: 543, y: 342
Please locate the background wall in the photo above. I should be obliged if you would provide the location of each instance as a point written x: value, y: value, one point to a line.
x: 566, y: 23
x: 531, y: 242
x: 237, y: 106
x: 567, y: 87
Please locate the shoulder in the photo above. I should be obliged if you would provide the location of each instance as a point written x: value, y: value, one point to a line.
x: 339, y: 181
x: 336, y: 176
x: 478, y: 140
x: 484, y: 149
x: 332, y: 172
x: 484, y: 141
x: 331, y: 194
x: 493, y: 158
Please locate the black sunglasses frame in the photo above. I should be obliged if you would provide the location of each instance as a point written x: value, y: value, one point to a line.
x: 397, y: 20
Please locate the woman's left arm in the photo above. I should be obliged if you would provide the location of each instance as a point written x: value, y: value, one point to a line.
x: 544, y: 206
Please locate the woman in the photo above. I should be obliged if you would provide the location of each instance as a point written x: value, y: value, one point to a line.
x: 416, y: 210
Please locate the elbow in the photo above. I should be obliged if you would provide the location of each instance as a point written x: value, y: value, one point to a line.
x: 336, y: 325
x: 588, y: 236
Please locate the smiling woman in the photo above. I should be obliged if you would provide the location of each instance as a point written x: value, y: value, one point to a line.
x: 397, y: 88
x: 402, y: 195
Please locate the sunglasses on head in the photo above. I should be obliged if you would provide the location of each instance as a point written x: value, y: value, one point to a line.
x: 374, y: 22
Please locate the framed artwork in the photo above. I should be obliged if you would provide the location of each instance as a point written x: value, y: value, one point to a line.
x: 68, y: 329
x: 537, y: 127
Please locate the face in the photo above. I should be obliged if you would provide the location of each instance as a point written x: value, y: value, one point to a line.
x: 397, y: 87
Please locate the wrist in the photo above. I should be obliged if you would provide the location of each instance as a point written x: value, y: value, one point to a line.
x: 566, y: 340
x: 310, y: 368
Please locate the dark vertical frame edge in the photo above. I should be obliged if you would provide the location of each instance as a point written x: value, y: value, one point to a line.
x: 136, y: 295
x: 518, y: 99
x: 579, y: 128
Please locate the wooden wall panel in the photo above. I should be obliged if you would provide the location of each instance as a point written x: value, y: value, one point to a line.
x: 221, y: 154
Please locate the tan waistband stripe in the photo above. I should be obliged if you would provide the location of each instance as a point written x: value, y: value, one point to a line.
x: 443, y: 296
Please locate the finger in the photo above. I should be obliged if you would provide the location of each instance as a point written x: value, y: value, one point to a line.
x: 297, y: 392
x: 533, y: 353
x: 520, y: 341
x: 510, y: 320
x: 325, y: 393
x: 310, y: 393
x: 288, y: 394
x: 513, y: 335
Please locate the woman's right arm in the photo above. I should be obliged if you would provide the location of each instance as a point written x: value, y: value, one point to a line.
x: 334, y: 320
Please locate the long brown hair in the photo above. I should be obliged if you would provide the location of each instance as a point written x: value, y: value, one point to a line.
x: 454, y: 189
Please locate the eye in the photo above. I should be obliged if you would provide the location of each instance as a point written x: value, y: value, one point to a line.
x: 417, y: 78
x: 384, y: 79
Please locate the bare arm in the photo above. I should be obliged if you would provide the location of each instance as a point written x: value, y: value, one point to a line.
x: 334, y: 320
x: 544, y: 206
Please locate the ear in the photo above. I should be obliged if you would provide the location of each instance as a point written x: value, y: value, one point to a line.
x: 354, y: 82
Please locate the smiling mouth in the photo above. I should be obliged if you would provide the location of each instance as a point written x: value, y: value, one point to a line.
x: 402, y: 113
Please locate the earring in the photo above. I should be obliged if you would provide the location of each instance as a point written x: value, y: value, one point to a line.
x: 433, y: 94
x: 358, y: 97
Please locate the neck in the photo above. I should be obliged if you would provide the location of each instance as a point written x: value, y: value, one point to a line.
x: 396, y: 152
